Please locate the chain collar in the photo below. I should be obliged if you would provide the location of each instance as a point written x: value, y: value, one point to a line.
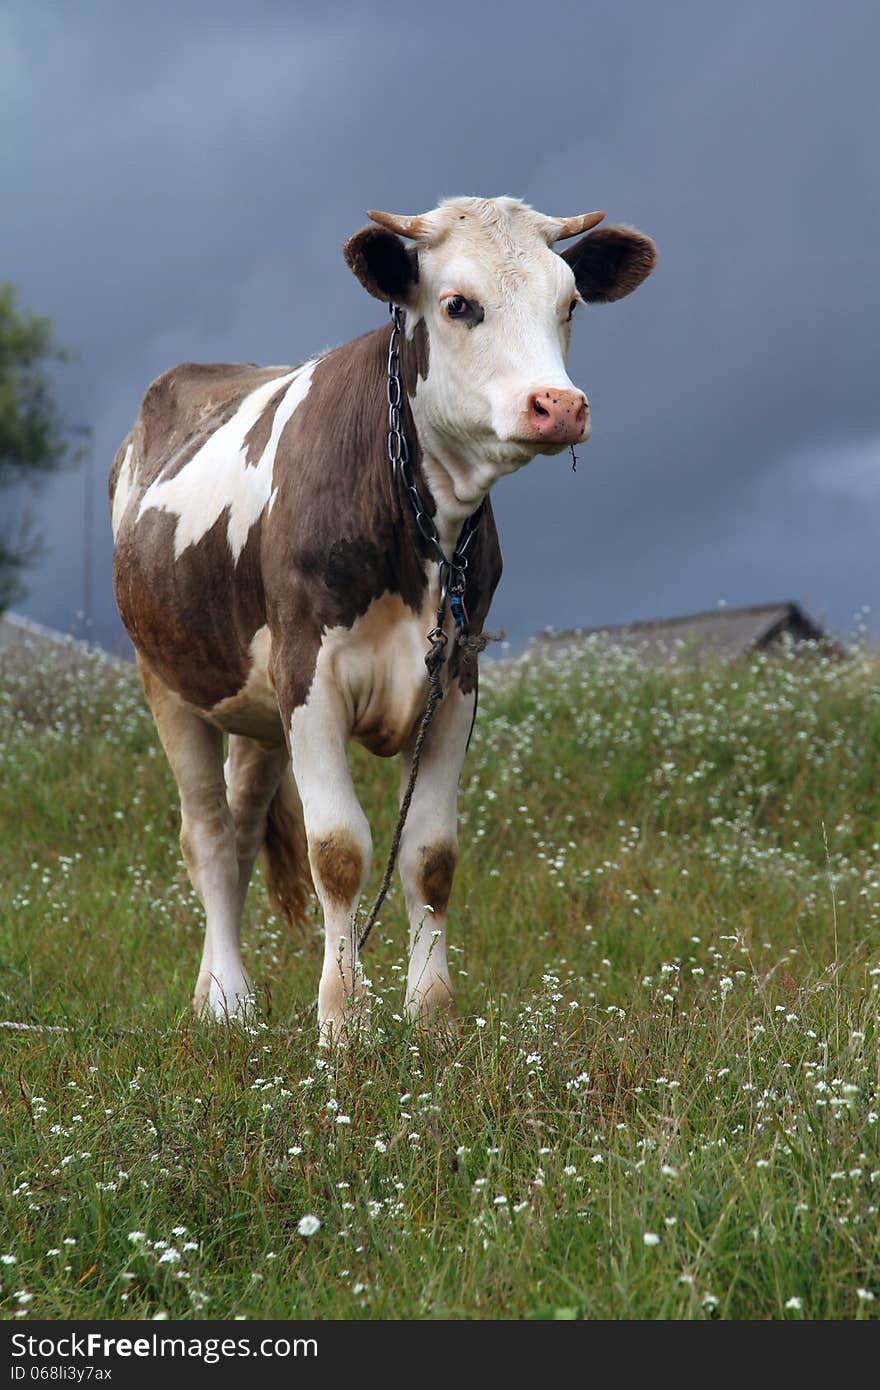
x: 453, y: 572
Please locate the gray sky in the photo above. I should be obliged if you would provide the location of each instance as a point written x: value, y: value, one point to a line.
x: 178, y: 181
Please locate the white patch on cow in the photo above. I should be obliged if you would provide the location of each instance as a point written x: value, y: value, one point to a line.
x: 378, y: 666
x: 253, y: 711
x: 124, y: 486
x: 218, y: 477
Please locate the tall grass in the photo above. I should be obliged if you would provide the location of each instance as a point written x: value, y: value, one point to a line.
x: 660, y: 1098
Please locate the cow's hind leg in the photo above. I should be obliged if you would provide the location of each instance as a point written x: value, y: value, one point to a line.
x: 428, y: 853
x: 253, y: 774
x: 208, y: 840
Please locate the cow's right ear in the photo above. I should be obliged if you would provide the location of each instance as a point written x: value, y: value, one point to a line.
x: 384, y: 266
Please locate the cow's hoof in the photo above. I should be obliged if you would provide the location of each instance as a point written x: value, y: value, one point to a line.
x: 343, y: 1006
x: 339, y: 1027
x: 236, y: 1003
x: 431, y: 1004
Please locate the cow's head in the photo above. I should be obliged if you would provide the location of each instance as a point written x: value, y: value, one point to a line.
x: 489, y: 307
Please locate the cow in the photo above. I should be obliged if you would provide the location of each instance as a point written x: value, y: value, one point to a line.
x: 278, y: 572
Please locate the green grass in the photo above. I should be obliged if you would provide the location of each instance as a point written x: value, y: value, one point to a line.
x: 665, y: 940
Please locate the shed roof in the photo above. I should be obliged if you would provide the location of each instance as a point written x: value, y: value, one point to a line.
x: 721, y: 633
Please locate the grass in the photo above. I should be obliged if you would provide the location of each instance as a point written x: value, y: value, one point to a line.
x: 660, y: 1098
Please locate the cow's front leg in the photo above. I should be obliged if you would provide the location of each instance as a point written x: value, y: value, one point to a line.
x: 429, y: 850
x: 340, y: 847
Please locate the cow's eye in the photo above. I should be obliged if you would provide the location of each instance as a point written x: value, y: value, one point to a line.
x: 457, y: 307
x: 571, y: 308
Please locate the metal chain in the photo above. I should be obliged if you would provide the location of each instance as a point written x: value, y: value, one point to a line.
x: 453, y: 572
x: 453, y: 581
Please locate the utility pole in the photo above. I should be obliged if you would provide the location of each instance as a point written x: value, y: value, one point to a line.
x: 85, y: 433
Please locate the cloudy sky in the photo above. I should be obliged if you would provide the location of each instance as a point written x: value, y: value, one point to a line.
x: 178, y: 180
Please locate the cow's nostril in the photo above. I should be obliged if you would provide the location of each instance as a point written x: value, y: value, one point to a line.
x: 554, y: 416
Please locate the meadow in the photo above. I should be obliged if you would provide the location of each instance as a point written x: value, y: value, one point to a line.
x: 660, y: 1096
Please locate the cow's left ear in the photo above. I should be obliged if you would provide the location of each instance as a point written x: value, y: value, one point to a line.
x: 384, y: 266
x: 610, y: 263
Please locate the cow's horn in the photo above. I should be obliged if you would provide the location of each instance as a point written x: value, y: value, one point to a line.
x: 562, y: 227
x: 412, y: 227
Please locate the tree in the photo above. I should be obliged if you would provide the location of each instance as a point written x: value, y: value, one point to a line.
x: 31, y: 440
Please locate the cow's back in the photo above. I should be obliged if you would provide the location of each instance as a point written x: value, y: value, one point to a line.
x: 190, y: 603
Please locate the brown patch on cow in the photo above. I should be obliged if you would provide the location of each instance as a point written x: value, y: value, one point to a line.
x: 381, y: 618
x: 416, y: 358
x: 436, y: 873
x: 338, y: 866
x: 286, y: 862
x: 193, y: 618
x: 257, y: 437
x: 483, y: 574
x: 611, y: 263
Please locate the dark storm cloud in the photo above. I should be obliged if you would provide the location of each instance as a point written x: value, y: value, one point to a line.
x: 181, y: 180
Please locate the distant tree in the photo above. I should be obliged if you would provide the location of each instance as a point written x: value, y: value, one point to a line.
x: 31, y: 440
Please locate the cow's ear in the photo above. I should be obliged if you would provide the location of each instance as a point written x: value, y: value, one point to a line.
x: 384, y: 266
x: 610, y: 263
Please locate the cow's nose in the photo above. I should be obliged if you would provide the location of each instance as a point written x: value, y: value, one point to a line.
x: 556, y: 416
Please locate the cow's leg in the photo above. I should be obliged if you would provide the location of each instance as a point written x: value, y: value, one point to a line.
x: 428, y: 852
x: 253, y: 773
x: 207, y: 837
x: 340, y: 846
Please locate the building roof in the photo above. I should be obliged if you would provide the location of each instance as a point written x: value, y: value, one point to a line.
x: 720, y: 634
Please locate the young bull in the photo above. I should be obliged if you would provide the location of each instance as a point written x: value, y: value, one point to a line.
x: 278, y: 585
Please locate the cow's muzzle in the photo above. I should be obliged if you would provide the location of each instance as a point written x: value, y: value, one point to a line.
x: 554, y: 416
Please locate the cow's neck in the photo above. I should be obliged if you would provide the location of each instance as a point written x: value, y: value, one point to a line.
x: 455, y: 491
x: 455, y: 487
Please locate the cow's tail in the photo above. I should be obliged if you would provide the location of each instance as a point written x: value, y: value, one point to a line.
x: 285, y: 854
